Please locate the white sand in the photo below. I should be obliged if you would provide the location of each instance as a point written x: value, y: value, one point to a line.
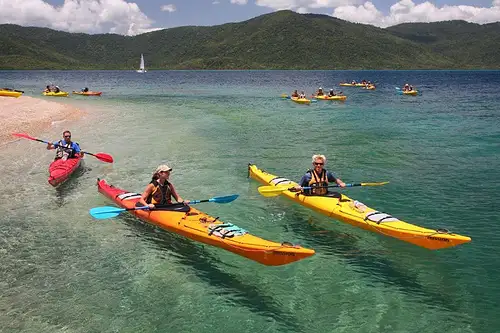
x: 31, y: 115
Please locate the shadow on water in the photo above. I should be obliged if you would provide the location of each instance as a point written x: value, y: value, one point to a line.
x: 322, y: 237
x: 70, y: 185
x: 205, y: 266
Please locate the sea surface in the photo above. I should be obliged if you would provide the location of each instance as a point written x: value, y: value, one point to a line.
x: 63, y: 271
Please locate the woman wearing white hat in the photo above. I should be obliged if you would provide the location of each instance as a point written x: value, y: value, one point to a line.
x: 160, y: 191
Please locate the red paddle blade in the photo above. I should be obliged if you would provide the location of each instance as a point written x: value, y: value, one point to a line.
x: 22, y: 135
x: 104, y: 157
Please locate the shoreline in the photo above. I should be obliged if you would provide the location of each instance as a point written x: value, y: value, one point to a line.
x: 32, y: 116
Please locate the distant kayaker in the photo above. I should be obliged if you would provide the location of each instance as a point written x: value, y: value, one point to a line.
x: 65, y: 148
x: 302, y: 94
x: 331, y: 93
x: 160, y: 191
x: 320, y: 92
x: 295, y: 93
x: 318, y: 178
x: 47, y: 89
x: 85, y: 89
x: 406, y: 87
x: 56, y: 89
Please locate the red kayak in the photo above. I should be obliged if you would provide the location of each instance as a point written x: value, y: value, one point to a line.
x: 60, y: 170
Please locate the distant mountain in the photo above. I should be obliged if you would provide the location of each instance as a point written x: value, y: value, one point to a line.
x: 280, y: 40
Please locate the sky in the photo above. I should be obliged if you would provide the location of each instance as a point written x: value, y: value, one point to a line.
x: 129, y: 17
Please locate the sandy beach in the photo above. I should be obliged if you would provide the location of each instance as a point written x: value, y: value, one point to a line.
x: 31, y: 115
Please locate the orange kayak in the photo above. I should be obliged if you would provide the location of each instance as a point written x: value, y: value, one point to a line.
x: 88, y: 93
x: 194, y: 224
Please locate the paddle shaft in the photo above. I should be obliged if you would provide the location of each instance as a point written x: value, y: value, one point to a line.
x: 100, y: 156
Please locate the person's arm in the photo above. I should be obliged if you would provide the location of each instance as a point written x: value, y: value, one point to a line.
x: 52, y: 145
x: 176, y: 196
x: 76, y: 148
x: 304, y: 181
x: 145, y: 195
x: 333, y: 178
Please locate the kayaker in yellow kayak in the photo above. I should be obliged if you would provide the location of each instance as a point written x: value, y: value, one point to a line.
x: 65, y: 148
x: 295, y: 93
x: 320, y: 92
x: 160, y: 191
x: 318, y: 178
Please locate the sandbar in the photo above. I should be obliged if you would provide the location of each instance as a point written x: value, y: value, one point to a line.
x: 31, y: 115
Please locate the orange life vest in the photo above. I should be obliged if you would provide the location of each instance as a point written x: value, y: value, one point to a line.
x: 317, y: 182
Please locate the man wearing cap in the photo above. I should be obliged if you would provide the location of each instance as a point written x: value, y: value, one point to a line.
x: 320, y: 92
x: 160, y: 191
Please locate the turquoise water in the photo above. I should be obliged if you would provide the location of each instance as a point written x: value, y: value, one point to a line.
x: 62, y: 271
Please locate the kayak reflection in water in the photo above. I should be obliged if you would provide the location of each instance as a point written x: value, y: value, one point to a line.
x: 318, y: 178
x: 65, y: 148
x: 160, y: 191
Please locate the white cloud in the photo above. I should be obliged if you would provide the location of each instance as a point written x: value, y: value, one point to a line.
x: 90, y: 16
x: 303, y: 6
x: 407, y: 11
x: 239, y: 2
x: 168, y: 8
x: 216, y: 2
x: 363, y: 11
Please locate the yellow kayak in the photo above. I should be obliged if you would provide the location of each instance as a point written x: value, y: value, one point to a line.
x: 10, y: 93
x: 352, y: 85
x: 301, y: 100
x: 331, y: 98
x: 359, y: 215
x: 412, y: 93
x: 56, y: 94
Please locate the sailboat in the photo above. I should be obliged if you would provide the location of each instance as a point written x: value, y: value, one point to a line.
x: 142, y: 69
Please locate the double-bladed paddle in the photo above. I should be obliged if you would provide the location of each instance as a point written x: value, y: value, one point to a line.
x: 100, y: 156
x: 272, y: 191
x: 106, y: 212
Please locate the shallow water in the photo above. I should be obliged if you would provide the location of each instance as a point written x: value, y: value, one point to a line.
x: 62, y: 271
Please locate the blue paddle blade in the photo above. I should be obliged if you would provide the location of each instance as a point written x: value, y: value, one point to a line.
x: 225, y: 199
x: 105, y: 212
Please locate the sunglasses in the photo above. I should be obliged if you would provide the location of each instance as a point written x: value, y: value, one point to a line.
x: 319, y: 163
x: 67, y: 136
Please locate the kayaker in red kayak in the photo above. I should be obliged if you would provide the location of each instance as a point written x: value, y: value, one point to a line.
x: 160, y: 191
x: 318, y: 178
x: 65, y: 148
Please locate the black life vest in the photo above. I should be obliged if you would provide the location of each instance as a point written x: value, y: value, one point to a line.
x: 161, y: 194
x: 64, y: 148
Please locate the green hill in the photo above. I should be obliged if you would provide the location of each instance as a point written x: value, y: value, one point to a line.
x: 281, y: 40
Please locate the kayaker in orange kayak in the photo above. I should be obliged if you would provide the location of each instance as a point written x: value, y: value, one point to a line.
x: 65, y: 148
x: 318, y: 178
x: 160, y: 191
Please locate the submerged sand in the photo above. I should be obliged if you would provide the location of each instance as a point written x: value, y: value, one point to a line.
x: 31, y: 115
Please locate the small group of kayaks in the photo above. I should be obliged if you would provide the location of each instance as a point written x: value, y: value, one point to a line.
x: 196, y: 225
x: 8, y: 92
x: 314, y: 98
x: 65, y: 93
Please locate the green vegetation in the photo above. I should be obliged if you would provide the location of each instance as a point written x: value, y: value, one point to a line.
x: 281, y: 40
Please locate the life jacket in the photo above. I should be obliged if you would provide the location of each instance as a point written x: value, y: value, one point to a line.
x: 64, y: 149
x: 316, y: 181
x: 161, y: 194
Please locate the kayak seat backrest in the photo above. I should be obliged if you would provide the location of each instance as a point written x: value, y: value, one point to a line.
x: 280, y: 181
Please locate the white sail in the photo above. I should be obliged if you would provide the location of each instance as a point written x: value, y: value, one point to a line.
x: 142, y: 69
